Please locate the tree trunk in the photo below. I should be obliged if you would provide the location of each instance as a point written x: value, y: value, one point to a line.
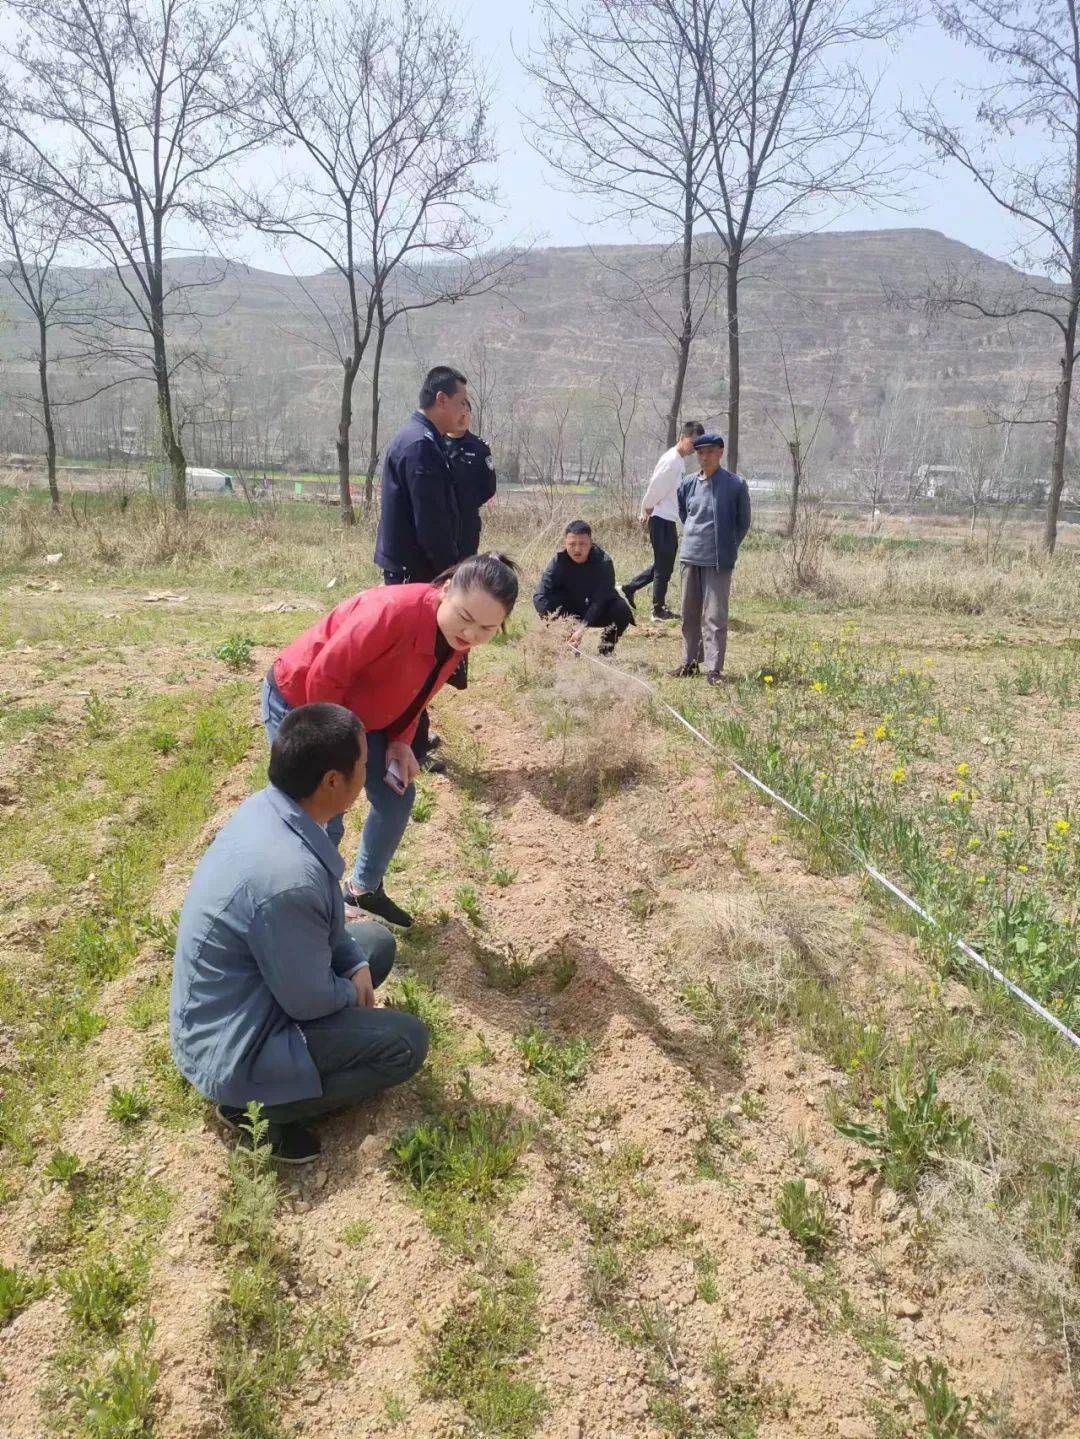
x: 348, y: 379
x: 373, y: 448
x: 732, y: 460
x: 46, y: 411
x: 686, y: 327
x: 795, y: 450
x: 1061, y: 432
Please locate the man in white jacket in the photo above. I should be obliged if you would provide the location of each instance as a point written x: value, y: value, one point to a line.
x: 659, y: 510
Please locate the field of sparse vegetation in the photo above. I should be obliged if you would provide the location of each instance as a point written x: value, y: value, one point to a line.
x: 713, y: 1141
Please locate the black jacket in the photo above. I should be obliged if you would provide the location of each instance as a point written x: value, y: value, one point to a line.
x: 474, y: 485
x: 582, y: 591
x: 419, y: 522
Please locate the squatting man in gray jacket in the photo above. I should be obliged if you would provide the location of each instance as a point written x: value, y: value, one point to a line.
x: 273, y: 994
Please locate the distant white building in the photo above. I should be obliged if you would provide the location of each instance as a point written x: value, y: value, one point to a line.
x: 209, y: 482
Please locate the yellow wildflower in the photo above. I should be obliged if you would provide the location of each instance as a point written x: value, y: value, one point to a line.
x: 980, y: 879
x: 1022, y: 868
x: 1003, y: 833
x: 974, y: 843
x: 882, y: 732
x: 955, y: 794
x: 963, y: 769
x: 899, y: 775
x: 768, y: 679
x: 859, y: 740
x: 820, y: 686
x: 1062, y: 826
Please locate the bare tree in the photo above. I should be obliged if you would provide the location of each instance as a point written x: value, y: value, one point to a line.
x: 622, y: 118
x: 1033, y: 55
x: 622, y: 403
x: 32, y: 232
x: 131, y: 108
x: 388, y: 122
x: 788, y: 104
x: 800, y: 427
x: 979, y: 456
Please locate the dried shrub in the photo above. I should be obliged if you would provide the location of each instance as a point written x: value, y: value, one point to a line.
x: 752, y: 948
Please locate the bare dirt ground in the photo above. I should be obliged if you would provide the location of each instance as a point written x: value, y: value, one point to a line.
x: 598, y: 890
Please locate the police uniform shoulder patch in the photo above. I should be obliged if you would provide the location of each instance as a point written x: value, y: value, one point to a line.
x: 489, y: 462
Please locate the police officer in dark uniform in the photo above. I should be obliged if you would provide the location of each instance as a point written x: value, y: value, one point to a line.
x: 419, y: 532
x: 419, y: 521
x: 474, y: 483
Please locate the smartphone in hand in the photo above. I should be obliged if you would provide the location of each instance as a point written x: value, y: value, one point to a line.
x: 394, y: 778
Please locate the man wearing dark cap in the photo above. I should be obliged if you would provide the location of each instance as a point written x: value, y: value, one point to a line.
x: 714, y: 507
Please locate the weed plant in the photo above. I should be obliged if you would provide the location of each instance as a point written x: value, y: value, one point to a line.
x: 479, y: 1357
x: 914, y: 1132
x: 805, y: 1215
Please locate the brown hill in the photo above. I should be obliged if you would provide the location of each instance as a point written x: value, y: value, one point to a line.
x: 561, y: 334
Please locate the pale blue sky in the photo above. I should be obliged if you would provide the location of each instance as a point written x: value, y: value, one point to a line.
x: 941, y: 200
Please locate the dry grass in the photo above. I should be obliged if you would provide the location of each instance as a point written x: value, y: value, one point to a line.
x: 753, y: 947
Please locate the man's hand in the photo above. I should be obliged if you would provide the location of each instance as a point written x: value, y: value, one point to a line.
x: 646, y: 515
x: 576, y: 636
x: 407, y: 764
x: 365, y: 990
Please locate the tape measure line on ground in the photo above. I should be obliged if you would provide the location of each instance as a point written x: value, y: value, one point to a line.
x: 875, y: 874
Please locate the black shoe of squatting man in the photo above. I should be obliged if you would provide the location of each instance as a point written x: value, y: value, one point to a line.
x: 663, y: 613
x: 378, y: 903
x: 288, y: 1143
x: 685, y: 672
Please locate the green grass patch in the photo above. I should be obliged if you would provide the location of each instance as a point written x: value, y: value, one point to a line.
x: 805, y: 1215
x: 554, y: 1065
x: 479, y: 1358
x: 460, y: 1163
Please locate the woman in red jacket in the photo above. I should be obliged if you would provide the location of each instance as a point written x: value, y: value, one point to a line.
x: 383, y: 654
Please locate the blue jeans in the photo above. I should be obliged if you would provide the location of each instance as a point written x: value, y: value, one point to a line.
x: 388, y: 813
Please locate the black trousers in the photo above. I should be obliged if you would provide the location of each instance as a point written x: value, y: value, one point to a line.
x: 664, y: 538
x: 359, y: 1052
x: 612, y: 620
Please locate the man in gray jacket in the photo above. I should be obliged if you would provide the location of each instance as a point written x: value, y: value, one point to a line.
x: 273, y: 995
x: 714, y: 507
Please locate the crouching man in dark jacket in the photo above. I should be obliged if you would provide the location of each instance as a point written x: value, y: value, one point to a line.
x: 273, y: 995
x: 580, y: 583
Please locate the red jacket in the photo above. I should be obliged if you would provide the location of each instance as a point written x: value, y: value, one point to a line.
x: 372, y: 654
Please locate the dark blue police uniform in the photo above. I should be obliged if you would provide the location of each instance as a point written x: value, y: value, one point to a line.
x: 419, y: 522
x: 474, y: 484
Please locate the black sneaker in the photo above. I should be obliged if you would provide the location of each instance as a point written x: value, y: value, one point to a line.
x: 288, y: 1143
x: 663, y: 613
x: 432, y: 764
x: 628, y: 595
x: 715, y: 677
x: 605, y: 647
x: 379, y: 903
x: 434, y: 742
x: 685, y: 672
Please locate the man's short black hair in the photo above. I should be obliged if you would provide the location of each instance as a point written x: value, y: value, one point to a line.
x: 579, y: 527
x: 692, y: 428
x: 312, y: 741
x: 443, y: 378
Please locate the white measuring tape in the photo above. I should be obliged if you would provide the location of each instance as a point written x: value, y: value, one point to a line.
x: 875, y: 874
